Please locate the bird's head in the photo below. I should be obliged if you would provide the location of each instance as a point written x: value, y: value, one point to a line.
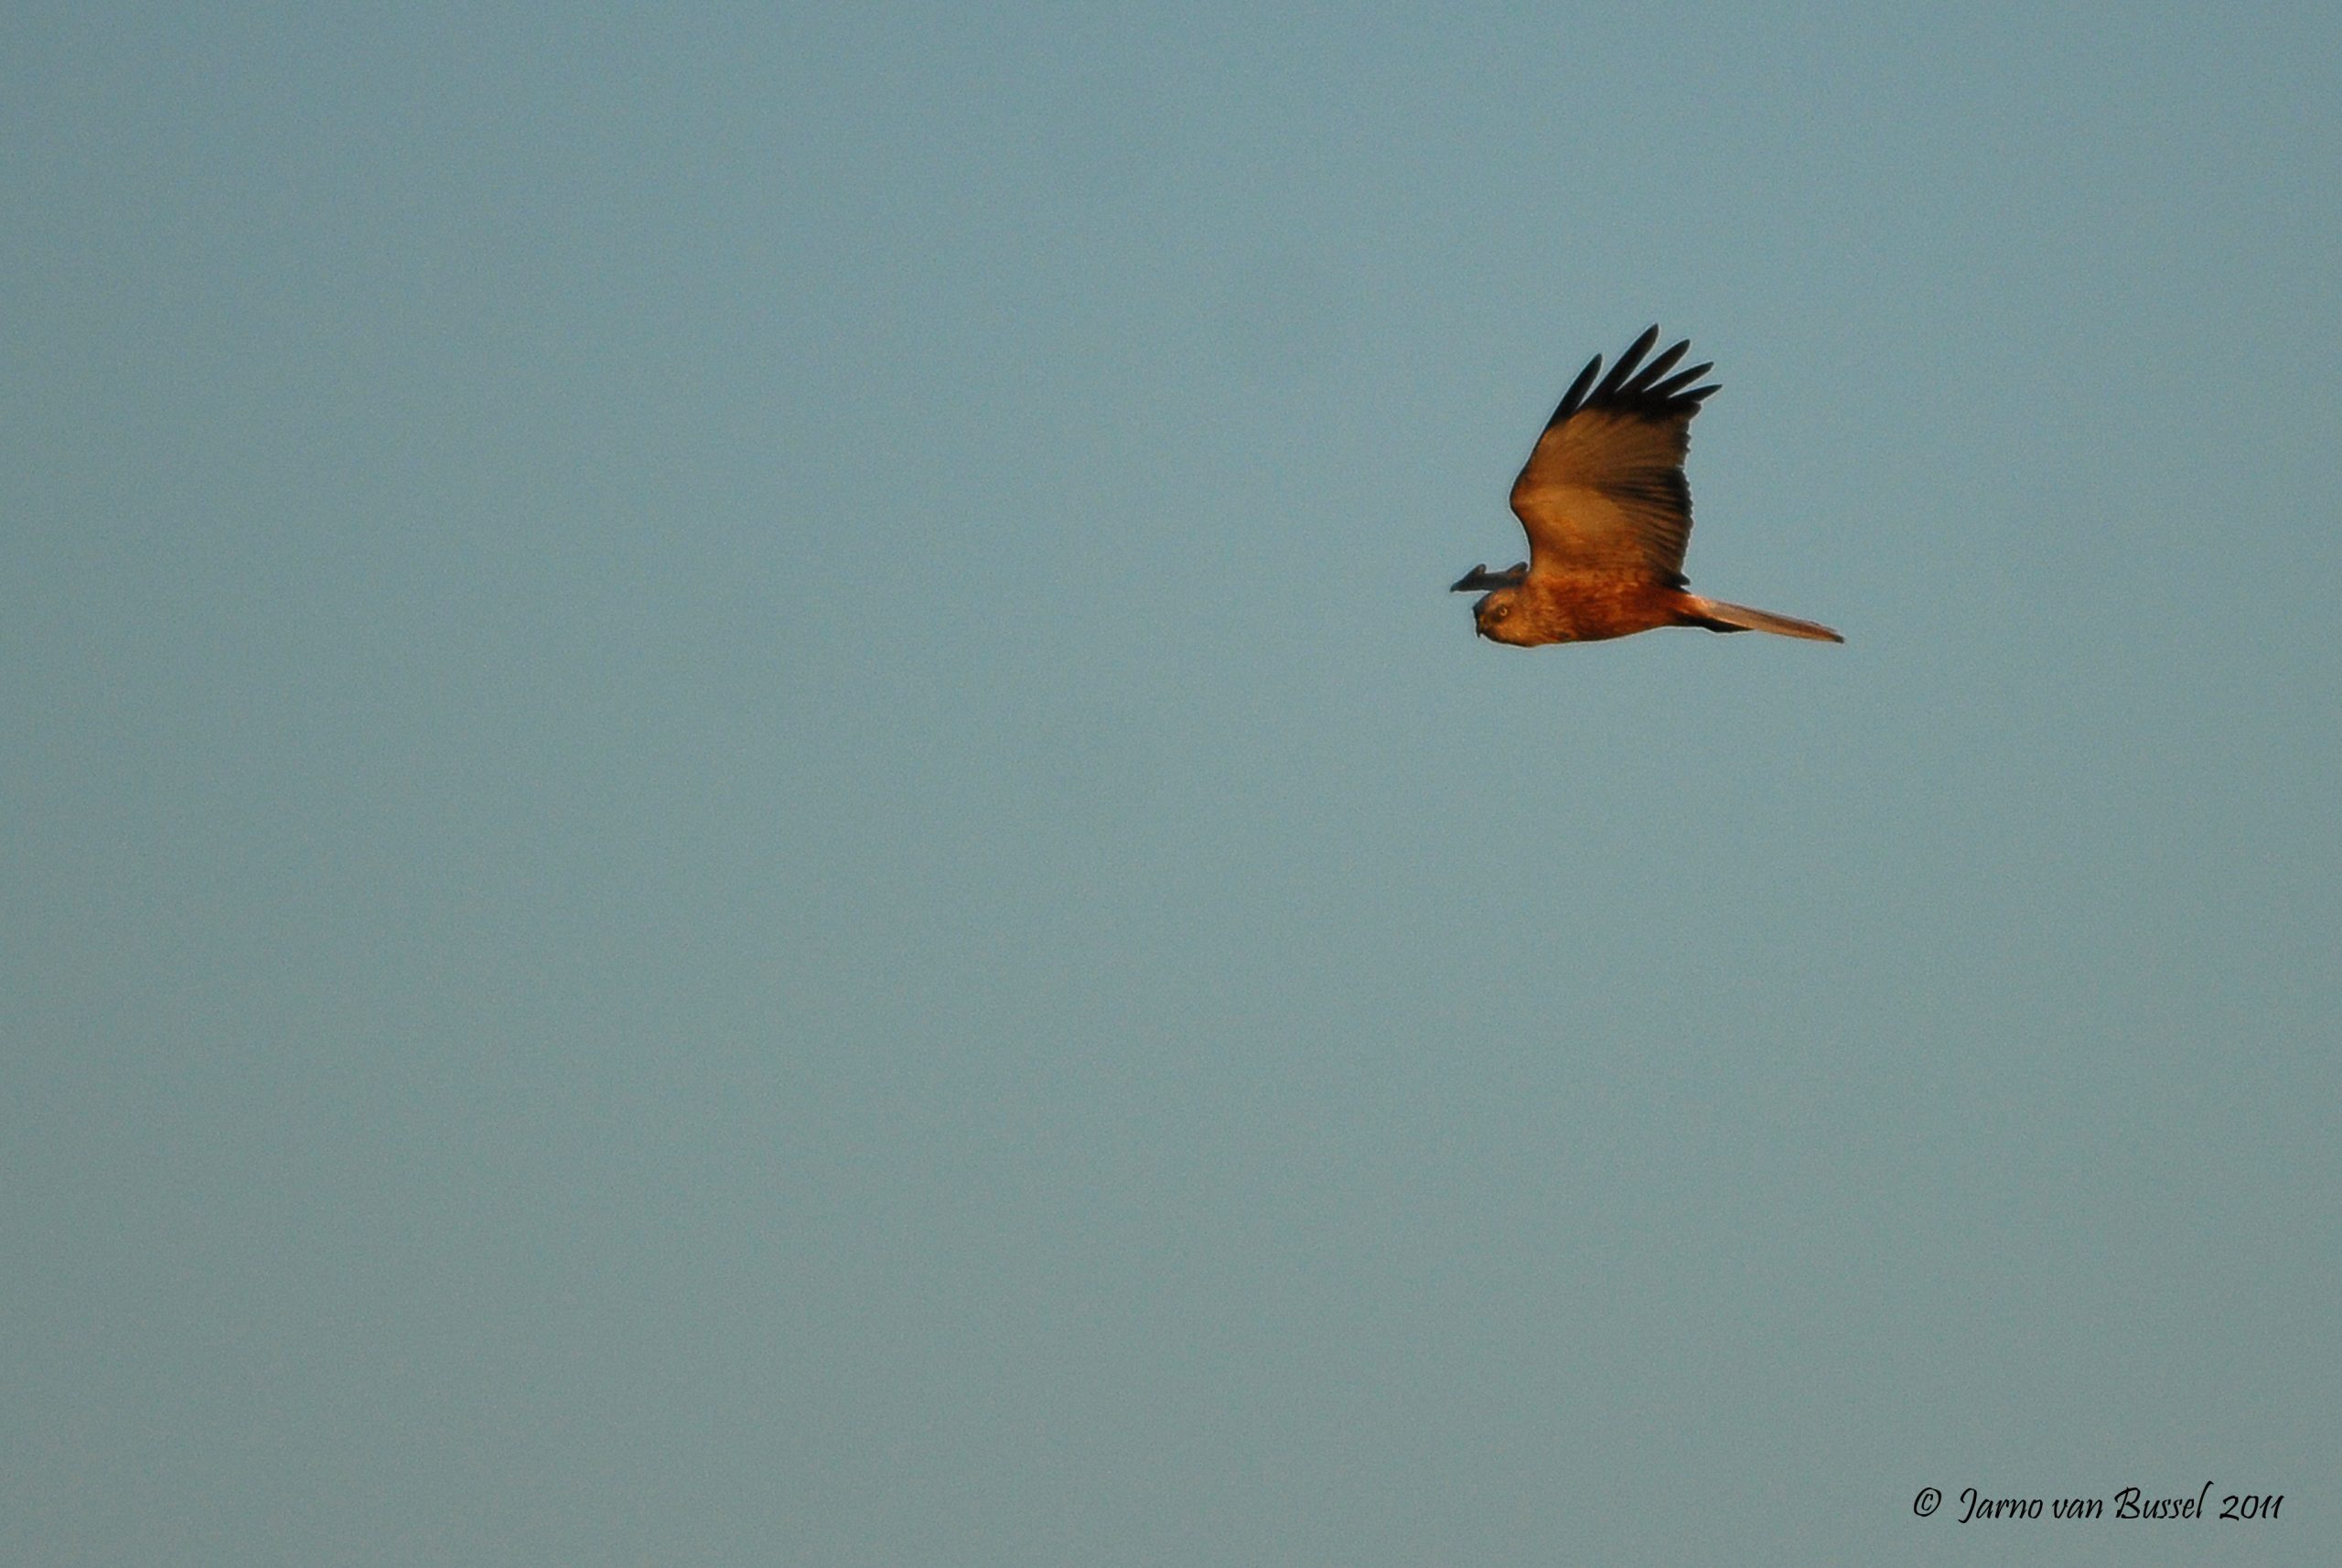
x: 1495, y: 616
x: 1494, y: 610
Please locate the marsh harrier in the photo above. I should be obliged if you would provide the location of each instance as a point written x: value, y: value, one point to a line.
x: 1609, y: 514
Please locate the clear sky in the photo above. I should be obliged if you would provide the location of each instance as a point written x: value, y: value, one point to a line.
x: 744, y: 824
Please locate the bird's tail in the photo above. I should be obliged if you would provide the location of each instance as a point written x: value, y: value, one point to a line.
x: 1718, y: 616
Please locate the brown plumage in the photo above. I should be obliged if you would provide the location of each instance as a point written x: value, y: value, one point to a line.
x: 1608, y: 514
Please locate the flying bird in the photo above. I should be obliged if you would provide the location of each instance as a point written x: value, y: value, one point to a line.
x: 1608, y: 514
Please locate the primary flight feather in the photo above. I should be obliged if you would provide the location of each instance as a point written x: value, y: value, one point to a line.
x: 1608, y: 514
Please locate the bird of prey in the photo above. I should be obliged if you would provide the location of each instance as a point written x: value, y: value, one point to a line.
x: 1609, y: 514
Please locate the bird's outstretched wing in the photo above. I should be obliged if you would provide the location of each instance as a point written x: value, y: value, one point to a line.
x: 1480, y: 577
x: 1604, y: 490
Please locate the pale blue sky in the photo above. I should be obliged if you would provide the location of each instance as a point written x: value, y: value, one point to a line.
x: 743, y: 822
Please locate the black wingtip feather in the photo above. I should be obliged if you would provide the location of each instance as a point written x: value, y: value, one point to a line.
x: 1678, y: 381
x: 1644, y: 378
x: 1575, y: 397
x: 1617, y: 379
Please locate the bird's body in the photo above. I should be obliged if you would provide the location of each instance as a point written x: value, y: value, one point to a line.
x: 1581, y: 606
x: 1608, y: 514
